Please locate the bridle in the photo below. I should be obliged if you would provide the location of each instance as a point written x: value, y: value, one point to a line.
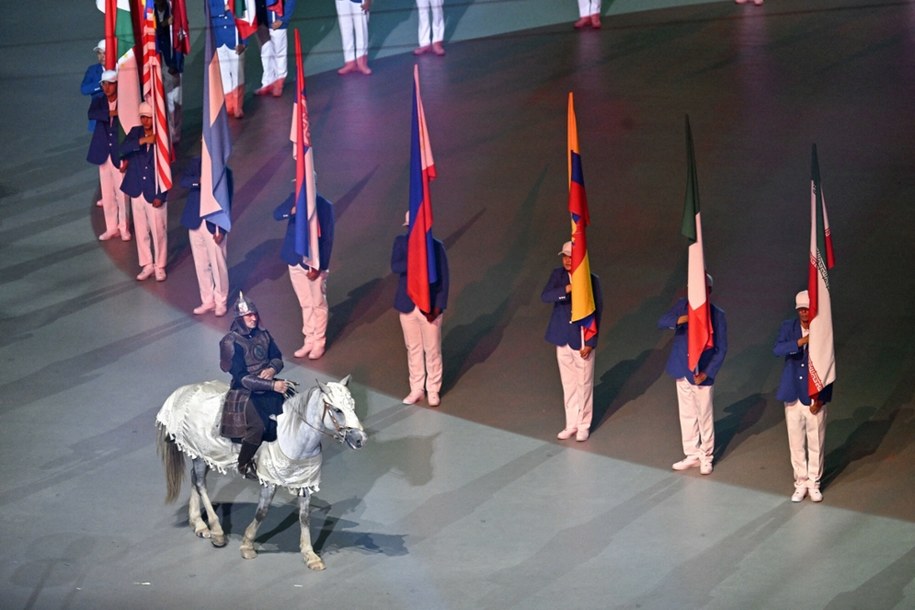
x: 340, y: 430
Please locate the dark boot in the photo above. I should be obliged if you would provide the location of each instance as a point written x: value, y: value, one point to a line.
x: 246, y: 466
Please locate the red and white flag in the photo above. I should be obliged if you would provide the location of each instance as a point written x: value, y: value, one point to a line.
x: 154, y: 94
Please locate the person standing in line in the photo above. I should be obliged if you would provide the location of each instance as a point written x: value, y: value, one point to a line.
x: 805, y: 419
x: 574, y: 354
x: 696, y: 389
x: 92, y: 84
x: 422, y: 330
x: 148, y: 203
x: 209, y: 244
x: 104, y: 151
x: 588, y: 14
x: 230, y: 49
x: 309, y: 285
x: 353, y: 17
x: 431, y: 34
x: 274, y: 16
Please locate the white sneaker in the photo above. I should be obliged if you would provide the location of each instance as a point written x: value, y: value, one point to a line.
x: 686, y: 463
x: 799, y: 494
x: 815, y: 495
x: 160, y: 275
x: 413, y: 397
x: 566, y: 434
x: 204, y: 308
x: 220, y: 311
x: 303, y: 351
x: 146, y: 273
x: 434, y: 399
x: 582, y: 435
x: 705, y: 468
x: 316, y: 352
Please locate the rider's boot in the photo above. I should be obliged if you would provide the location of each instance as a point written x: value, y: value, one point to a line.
x: 246, y: 465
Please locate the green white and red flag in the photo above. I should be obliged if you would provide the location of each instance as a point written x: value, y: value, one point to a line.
x: 820, y: 348
x: 699, y: 329
x: 120, y: 40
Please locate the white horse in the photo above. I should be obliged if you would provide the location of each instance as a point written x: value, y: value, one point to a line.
x: 189, y: 424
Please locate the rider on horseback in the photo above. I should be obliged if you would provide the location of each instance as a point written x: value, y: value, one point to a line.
x: 250, y: 355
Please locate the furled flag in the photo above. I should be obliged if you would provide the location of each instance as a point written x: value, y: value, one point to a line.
x: 216, y: 146
x: 583, y: 308
x: 421, y: 264
x: 820, y: 348
x: 119, y: 52
x: 699, y: 330
x: 154, y: 92
x: 181, y: 31
x: 245, y: 18
x: 306, y: 223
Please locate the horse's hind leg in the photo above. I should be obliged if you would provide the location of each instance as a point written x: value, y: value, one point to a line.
x: 308, y: 554
x: 200, y: 496
x: 263, y: 505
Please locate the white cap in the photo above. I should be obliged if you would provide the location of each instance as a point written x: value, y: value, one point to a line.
x: 100, y: 47
x: 109, y: 76
x: 566, y: 249
x: 802, y: 300
x: 145, y: 109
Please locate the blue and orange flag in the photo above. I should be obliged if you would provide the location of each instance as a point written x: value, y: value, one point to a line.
x: 215, y: 148
x: 583, y: 308
x: 306, y: 209
x: 421, y: 263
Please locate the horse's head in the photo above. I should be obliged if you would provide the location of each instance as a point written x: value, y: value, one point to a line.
x: 339, y: 416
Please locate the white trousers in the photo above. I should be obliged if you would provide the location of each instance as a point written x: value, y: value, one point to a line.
x: 114, y: 201
x: 587, y: 8
x: 231, y: 69
x: 210, y: 264
x: 312, y: 296
x: 354, y: 29
x: 150, y: 222
x: 806, y: 440
x: 697, y: 420
x: 437, y: 28
x: 173, y: 101
x: 273, y: 57
x: 577, y: 376
x: 424, y: 350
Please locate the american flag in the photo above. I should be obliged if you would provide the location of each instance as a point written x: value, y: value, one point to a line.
x: 154, y: 94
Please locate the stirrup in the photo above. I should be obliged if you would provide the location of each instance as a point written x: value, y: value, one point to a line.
x: 249, y: 471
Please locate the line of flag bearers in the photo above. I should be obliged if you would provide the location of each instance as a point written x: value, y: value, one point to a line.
x: 132, y: 165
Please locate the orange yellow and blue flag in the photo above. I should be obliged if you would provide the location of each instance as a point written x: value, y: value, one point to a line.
x: 215, y: 197
x: 583, y: 307
x: 421, y: 264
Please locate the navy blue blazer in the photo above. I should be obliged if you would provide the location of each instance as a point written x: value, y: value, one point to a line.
x: 793, y: 385
x: 560, y: 330
x: 105, y: 136
x: 438, y: 292
x: 190, y: 217
x: 325, y: 210
x: 140, y: 177
x: 711, y: 359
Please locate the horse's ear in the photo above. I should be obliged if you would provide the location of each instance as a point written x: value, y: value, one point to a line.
x: 345, y: 380
x: 321, y: 385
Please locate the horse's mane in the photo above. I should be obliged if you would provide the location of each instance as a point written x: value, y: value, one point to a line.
x: 298, y: 404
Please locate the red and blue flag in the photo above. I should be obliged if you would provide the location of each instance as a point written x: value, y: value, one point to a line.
x: 421, y: 264
x: 215, y: 198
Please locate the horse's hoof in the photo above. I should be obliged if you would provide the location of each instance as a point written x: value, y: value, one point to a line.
x: 248, y: 554
x: 204, y: 533
x: 218, y: 541
x: 315, y: 563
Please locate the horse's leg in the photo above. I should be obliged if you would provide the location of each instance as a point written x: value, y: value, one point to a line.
x: 263, y: 505
x: 308, y: 554
x: 199, y: 482
x: 193, y: 507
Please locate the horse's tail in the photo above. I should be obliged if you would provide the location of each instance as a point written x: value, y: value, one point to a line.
x: 173, y: 460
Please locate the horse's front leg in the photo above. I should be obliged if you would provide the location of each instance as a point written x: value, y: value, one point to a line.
x: 263, y: 505
x: 200, y: 496
x: 308, y: 554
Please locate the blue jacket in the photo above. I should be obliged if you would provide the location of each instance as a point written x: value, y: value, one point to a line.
x: 190, y: 180
x: 793, y: 385
x: 265, y: 17
x: 222, y: 21
x: 92, y: 85
x: 325, y: 210
x: 711, y: 360
x: 560, y: 331
x: 105, y: 136
x: 438, y: 292
x: 140, y: 177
